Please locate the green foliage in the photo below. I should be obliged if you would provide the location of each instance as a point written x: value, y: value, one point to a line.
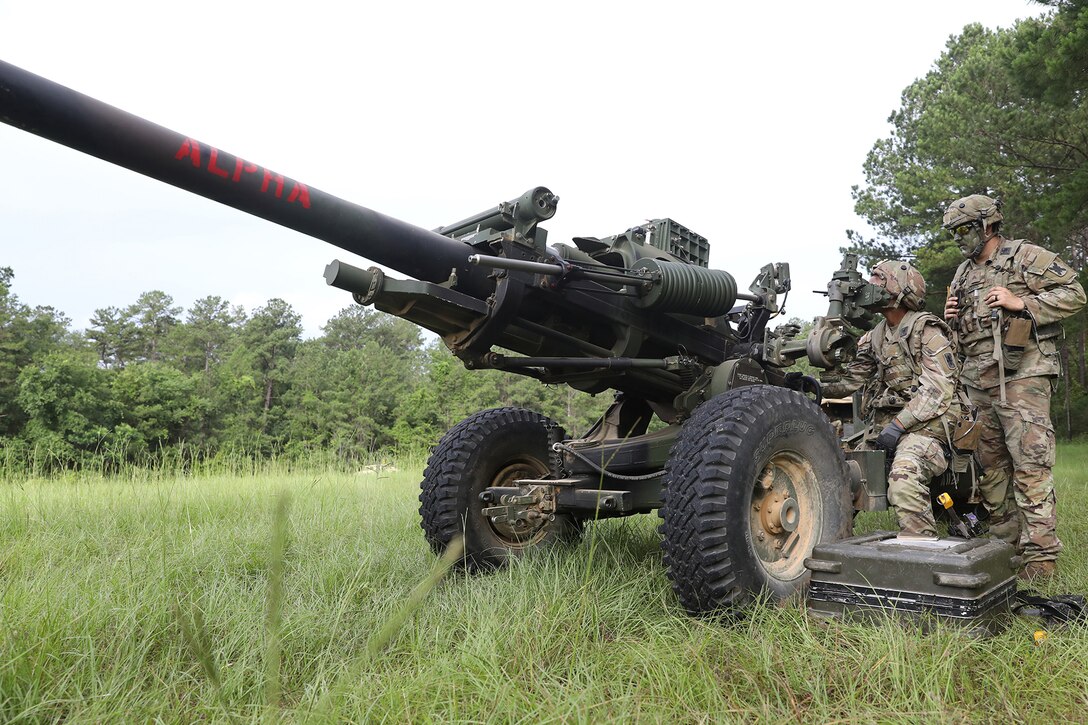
x: 158, y: 403
x: 357, y: 326
x: 135, y: 333
x: 26, y: 336
x: 260, y: 364
x: 347, y: 384
x: 449, y: 393
x: 114, y: 335
x: 345, y: 399
x: 68, y: 403
x: 206, y: 337
x: 155, y: 316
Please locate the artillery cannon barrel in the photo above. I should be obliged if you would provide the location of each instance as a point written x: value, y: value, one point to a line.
x: 55, y: 112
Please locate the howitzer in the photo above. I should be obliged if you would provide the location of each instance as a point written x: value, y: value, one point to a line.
x: 746, y: 472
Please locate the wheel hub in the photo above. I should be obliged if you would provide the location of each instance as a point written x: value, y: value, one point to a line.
x: 784, y: 505
x: 780, y: 514
x: 520, y: 519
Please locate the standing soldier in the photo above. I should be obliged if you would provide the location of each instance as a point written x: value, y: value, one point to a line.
x: 908, y: 371
x: 1005, y: 306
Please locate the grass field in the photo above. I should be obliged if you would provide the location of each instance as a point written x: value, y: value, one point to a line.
x: 176, y: 599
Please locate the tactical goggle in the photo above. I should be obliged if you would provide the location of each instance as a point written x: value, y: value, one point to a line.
x: 962, y: 229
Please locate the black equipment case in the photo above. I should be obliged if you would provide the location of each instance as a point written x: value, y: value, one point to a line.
x: 965, y: 581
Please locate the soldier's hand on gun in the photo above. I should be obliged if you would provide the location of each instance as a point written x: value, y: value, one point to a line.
x: 1001, y: 297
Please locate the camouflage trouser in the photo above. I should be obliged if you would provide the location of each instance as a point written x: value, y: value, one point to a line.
x: 918, y: 459
x: 1016, y: 450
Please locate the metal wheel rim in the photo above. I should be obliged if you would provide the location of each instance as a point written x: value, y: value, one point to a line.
x: 784, y: 515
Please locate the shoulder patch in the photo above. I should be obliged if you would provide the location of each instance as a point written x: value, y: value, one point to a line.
x: 1037, y: 259
x: 951, y: 360
x: 933, y: 336
x: 1042, y: 262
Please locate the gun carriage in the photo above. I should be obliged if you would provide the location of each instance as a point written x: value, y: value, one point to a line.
x: 747, y: 473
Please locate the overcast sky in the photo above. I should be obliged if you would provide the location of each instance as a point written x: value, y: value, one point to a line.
x: 747, y: 123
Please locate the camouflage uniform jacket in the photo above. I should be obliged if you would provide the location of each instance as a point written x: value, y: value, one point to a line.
x: 908, y: 372
x: 1050, y: 291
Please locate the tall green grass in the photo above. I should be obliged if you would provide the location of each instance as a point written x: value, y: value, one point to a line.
x: 311, y: 596
x: 20, y: 460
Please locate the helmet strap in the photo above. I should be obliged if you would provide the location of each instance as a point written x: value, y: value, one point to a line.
x: 980, y: 232
x: 984, y: 236
x: 902, y: 282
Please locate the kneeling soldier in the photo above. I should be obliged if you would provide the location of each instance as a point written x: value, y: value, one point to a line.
x: 908, y: 371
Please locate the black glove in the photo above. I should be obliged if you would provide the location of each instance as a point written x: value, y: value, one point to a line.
x: 889, y: 437
x: 804, y: 384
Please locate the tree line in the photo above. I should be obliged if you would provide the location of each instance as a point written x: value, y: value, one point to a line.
x: 1004, y: 113
x: 151, y: 382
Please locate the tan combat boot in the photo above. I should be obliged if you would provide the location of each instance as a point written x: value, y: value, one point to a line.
x: 1035, y: 570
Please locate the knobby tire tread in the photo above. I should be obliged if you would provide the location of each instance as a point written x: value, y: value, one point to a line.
x: 698, y: 517
x: 446, y: 488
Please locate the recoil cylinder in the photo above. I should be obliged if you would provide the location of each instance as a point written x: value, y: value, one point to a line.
x: 686, y: 288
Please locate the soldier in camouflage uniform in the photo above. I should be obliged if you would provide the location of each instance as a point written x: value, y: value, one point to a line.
x: 907, y: 368
x: 1005, y: 304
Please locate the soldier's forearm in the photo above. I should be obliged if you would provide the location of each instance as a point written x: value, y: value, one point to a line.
x: 1054, y: 305
x: 838, y: 388
x: 840, y: 382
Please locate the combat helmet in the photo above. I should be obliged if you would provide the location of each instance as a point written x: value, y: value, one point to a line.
x: 975, y: 213
x: 903, y: 282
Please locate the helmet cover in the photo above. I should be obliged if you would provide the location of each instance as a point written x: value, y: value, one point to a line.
x: 971, y: 213
x: 903, y: 282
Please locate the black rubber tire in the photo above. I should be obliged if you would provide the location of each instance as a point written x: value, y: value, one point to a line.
x: 731, y: 446
x: 489, y: 448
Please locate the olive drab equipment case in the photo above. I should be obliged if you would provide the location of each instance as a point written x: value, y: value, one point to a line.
x: 969, y: 582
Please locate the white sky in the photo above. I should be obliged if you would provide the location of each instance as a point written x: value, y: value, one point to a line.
x: 745, y: 122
